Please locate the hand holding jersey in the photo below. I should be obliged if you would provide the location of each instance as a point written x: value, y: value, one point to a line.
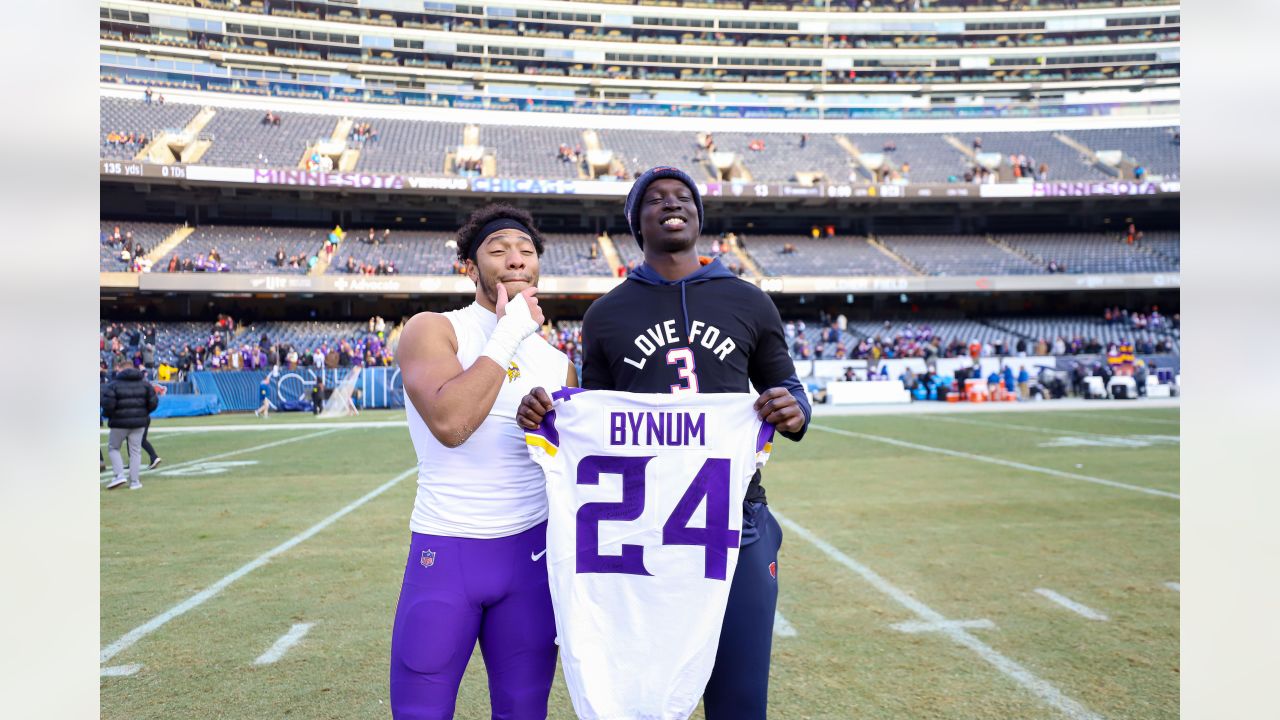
x: 644, y: 495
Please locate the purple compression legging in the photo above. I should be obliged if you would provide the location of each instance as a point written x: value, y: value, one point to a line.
x: 458, y: 590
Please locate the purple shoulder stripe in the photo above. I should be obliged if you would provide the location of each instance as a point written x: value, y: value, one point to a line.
x: 548, y: 429
x: 764, y: 437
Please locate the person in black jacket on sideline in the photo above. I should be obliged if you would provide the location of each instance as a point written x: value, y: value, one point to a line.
x: 127, y: 403
x: 682, y: 325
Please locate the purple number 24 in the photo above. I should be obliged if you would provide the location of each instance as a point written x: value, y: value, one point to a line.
x: 711, y: 482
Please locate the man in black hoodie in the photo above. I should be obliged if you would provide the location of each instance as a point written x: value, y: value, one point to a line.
x: 678, y: 325
x: 127, y: 403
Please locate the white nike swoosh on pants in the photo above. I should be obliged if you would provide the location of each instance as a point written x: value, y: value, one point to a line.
x: 538, y: 556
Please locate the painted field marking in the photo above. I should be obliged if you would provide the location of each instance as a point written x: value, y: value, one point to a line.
x: 286, y: 641
x: 1176, y: 587
x: 1072, y: 605
x: 256, y: 427
x: 120, y: 670
x: 128, y: 639
x: 1024, y: 677
x: 781, y: 626
x: 917, y: 626
x: 1127, y: 418
x: 106, y: 475
x: 1108, y: 439
x: 997, y: 461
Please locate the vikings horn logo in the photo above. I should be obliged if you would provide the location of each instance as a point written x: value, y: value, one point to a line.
x: 513, y: 371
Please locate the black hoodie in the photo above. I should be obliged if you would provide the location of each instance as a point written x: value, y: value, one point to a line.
x: 734, y: 330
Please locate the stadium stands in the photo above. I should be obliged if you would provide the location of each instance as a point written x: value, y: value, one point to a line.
x: 1089, y: 253
x: 121, y: 115
x: 419, y: 146
x: 958, y: 255
x: 1064, y: 162
x: 148, y: 235
x: 411, y: 252
x: 241, y: 139
x: 931, y: 158
x: 1155, y: 149
x: 248, y: 249
x: 780, y: 155
x: 571, y: 255
x: 823, y: 256
x: 531, y: 151
x: 1165, y: 242
x: 407, y: 146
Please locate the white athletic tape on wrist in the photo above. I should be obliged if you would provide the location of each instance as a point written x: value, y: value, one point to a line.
x: 516, y: 324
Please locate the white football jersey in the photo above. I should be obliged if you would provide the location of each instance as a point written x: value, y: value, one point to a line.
x: 645, y: 514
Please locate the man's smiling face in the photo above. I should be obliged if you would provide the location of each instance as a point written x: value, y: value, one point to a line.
x: 668, y: 216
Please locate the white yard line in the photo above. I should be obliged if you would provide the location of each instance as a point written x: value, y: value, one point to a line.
x: 917, y: 626
x: 1072, y: 605
x: 1023, y: 428
x: 1019, y: 674
x: 128, y: 639
x: 106, y: 475
x: 1176, y: 587
x: 286, y: 641
x: 1098, y: 407
x: 997, y: 461
x: 781, y: 626
x: 267, y: 426
x: 1127, y: 418
x: 120, y: 670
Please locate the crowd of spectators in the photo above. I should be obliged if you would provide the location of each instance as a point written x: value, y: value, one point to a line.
x: 203, y: 262
x: 134, y: 141
x: 921, y: 341
x: 130, y: 253
x: 363, y: 132
x: 226, y: 346
x: 1150, y: 319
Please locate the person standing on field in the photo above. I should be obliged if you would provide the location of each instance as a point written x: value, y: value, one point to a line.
x: 127, y: 403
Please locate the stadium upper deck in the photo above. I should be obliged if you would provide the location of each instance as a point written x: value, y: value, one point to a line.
x: 709, y: 58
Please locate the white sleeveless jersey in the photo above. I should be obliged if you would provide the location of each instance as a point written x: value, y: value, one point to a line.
x: 645, y: 495
x: 487, y: 487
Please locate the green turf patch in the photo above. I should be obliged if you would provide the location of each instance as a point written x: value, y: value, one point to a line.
x: 969, y: 539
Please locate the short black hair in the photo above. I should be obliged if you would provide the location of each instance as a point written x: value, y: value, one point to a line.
x: 467, y: 234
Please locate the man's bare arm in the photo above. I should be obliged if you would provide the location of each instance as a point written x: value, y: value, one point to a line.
x: 452, y: 402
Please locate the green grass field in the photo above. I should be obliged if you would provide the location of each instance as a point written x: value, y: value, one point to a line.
x: 880, y: 529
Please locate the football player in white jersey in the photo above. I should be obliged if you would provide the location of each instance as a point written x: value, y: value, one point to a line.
x: 476, y: 568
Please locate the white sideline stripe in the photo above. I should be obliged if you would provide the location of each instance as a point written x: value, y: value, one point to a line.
x: 998, y: 461
x: 1042, y: 689
x: 264, y: 427
x: 120, y: 670
x: 1174, y: 586
x: 1024, y: 428
x: 916, y: 626
x: 1118, y: 416
x: 106, y: 475
x: 1071, y: 605
x: 781, y: 627
x: 155, y: 623
x: 286, y: 641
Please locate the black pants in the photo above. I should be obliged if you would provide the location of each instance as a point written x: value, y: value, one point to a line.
x: 146, y: 446
x: 739, y: 684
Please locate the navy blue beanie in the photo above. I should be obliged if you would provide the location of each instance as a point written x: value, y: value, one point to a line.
x: 632, y: 208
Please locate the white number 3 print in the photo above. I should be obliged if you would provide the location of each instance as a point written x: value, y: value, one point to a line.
x: 684, y: 357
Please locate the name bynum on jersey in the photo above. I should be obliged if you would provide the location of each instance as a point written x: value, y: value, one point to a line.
x: 644, y: 494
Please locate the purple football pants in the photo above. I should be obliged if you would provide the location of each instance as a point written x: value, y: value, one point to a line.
x: 457, y: 591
